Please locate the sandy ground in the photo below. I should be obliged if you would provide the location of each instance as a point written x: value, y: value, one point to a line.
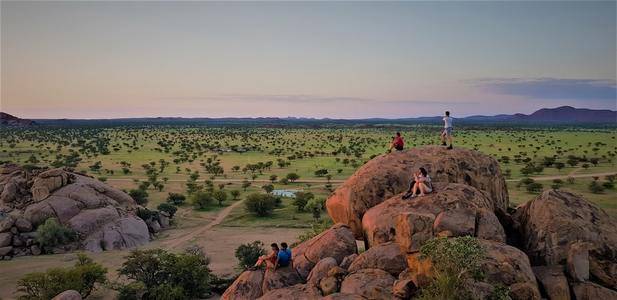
x: 203, y: 229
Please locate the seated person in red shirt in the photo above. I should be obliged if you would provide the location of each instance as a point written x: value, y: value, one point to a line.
x: 397, y: 143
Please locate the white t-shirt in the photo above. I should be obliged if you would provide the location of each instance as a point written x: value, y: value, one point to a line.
x: 447, y: 122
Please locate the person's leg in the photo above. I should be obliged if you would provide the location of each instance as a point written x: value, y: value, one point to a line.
x: 449, y: 136
x: 443, y: 138
x: 414, y: 190
x: 422, y: 188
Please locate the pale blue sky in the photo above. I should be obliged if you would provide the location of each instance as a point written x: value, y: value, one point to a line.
x: 317, y: 59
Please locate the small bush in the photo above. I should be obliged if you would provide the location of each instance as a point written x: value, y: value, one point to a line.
x: 168, y: 208
x: 260, y: 204
x: 302, y: 199
x: 202, y: 199
x: 166, y: 275
x: 83, y: 277
x: 139, y: 195
x: 534, y: 187
x: 52, y: 234
x: 453, y: 260
x: 247, y: 254
x: 176, y: 199
x: 595, y: 187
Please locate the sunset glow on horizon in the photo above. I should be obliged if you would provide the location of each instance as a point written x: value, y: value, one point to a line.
x: 304, y: 59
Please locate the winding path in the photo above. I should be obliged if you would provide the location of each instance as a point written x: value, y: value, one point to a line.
x: 178, y: 241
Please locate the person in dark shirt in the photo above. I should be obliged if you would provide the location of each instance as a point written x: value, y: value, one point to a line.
x: 284, y: 257
x: 397, y: 143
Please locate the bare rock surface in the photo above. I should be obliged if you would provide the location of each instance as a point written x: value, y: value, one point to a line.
x: 103, y: 217
x: 552, y: 222
x: 246, y: 286
x: 369, y: 283
x: 279, y: 278
x: 387, y: 257
x: 388, y: 175
x: 553, y: 282
x: 321, y: 270
x: 68, y: 295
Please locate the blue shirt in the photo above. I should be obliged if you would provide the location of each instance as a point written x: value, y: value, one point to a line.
x: 284, y: 257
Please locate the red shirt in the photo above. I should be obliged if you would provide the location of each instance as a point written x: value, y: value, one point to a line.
x: 398, y: 141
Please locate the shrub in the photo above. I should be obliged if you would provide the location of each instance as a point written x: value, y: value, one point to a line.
x: 146, y: 214
x: 168, y: 208
x: 595, y: 187
x: 453, y: 260
x: 51, y: 234
x: 260, y: 204
x: 534, y: 187
x: 525, y: 181
x: 176, y: 199
x: 609, y: 185
x: 166, y: 275
x: 235, y: 194
x: 202, y: 199
x: 247, y: 254
x: 302, y: 198
x: 83, y: 277
x: 220, y: 196
x: 139, y: 195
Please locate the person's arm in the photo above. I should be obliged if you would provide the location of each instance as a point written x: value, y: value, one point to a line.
x: 276, y: 264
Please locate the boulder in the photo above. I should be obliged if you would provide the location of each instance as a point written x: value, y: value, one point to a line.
x: 126, y: 232
x: 388, y: 175
x: 388, y: 257
x: 577, y: 263
x: 68, y: 295
x: 23, y: 225
x: 488, y: 226
x: 336, y: 242
x: 404, y: 288
x: 6, y: 239
x: 297, y: 292
x: 383, y: 219
x: 320, y: 270
x: 456, y: 222
x: 369, y: 283
x: 6, y: 222
x: 47, y: 182
x: 329, y: 285
x: 510, y: 267
x: 246, y: 286
x: 592, y: 291
x: 348, y: 260
x: 282, y: 277
x: 413, y: 229
x: 342, y: 296
x: 419, y: 271
x: 552, y: 282
x: 553, y: 221
x: 6, y: 250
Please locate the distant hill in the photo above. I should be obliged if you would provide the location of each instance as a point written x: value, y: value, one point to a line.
x: 564, y: 115
x: 12, y: 121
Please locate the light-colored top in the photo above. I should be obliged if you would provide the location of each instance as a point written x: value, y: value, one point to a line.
x: 426, y: 180
x: 447, y: 122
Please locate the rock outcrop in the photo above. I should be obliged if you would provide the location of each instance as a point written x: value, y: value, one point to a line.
x: 560, y: 228
x: 103, y: 217
x: 388, y: 175
x: 570, y: 243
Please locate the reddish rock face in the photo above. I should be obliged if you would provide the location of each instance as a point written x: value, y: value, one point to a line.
x: 246, y: 286
x: 451, y: 210
x: 551, y: 223
x: 369, y: 283
x: 387, y: 257
x: 390, y: 174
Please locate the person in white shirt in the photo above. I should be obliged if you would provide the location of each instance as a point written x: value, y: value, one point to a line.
x: 447, y: 130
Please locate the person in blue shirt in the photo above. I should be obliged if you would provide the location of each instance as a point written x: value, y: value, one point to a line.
x: 284, y: 257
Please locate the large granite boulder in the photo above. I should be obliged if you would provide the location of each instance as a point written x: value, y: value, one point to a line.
x: 388, y: 257
x: 369, y: 283
x: 552, y: 282
x: 556, y: 224
x: 296, y: 292
x: 103, y: 217
x: 336, y: 242
x: 246, y: 286
x: 388, y: 175
x: 452, y: 210
x: 279, y: 278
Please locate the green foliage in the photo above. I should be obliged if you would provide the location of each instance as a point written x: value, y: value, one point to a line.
x: 302, y: 199
x: 83, y: 277
x: 52, y: 234
x: 202, y: 199
x: 168, y: 208
x: 595, y: 187
x: 139, y: 195
x: 453, y: 260
x: 268, y: 188
x: 247, y: 254
x: 235, y: 194
x: 292, y: 177
x: 220, y: 196
x: 131, y: 291
x: 316, y: 228
x: 260, y: 204
x: 166, y: 275
x: 534, y: 187
x: 176, y: 199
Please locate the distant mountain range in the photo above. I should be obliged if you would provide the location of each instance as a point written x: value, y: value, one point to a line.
x: 563, y: 115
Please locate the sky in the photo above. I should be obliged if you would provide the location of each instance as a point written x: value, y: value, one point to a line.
x: 304, y: 59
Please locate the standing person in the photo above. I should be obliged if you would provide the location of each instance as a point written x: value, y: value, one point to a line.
x: 447, y: 130
x: 397, y: 143
x: 284, y: 258
x: 269, y: 259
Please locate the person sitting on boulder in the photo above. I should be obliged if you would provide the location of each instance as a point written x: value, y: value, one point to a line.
x: 283, y: 258
x: 397, y: 143
x: 421, y: 183
x: 270, y: 260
